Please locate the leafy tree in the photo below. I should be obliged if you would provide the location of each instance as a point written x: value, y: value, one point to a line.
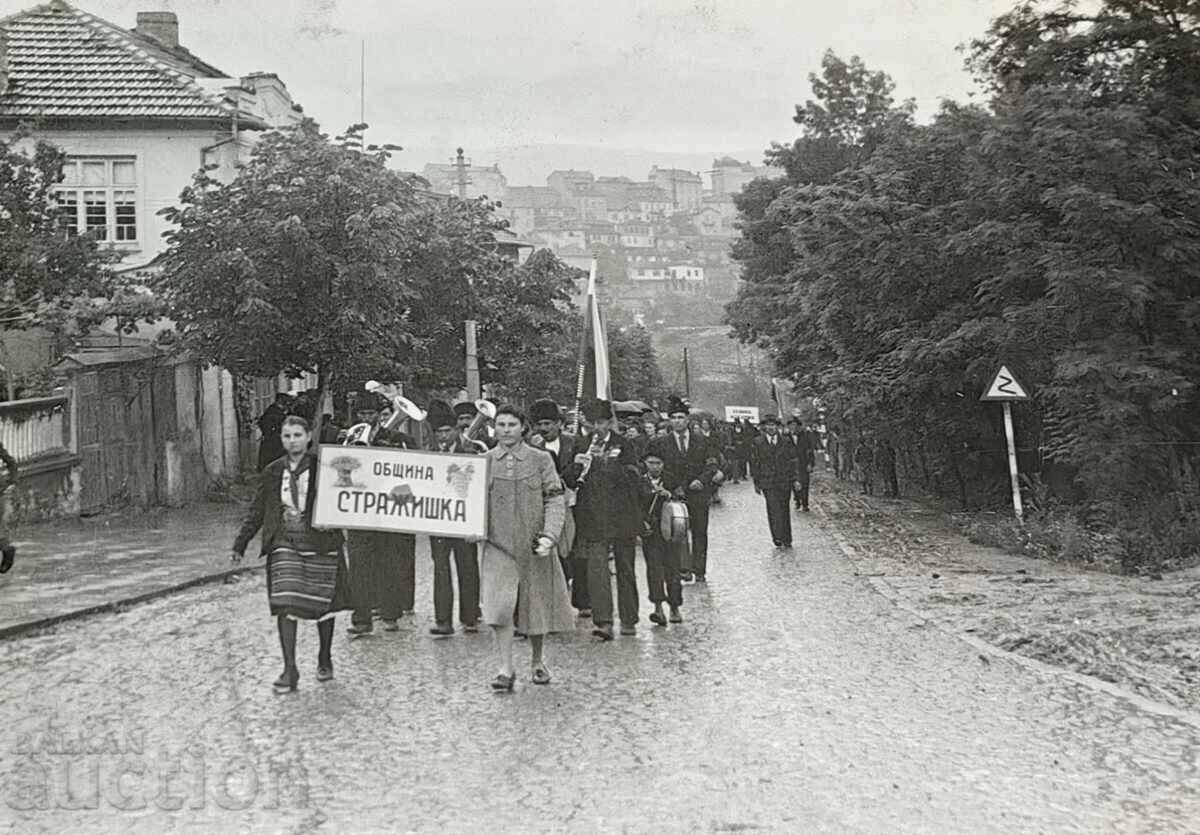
x: 52, y: 280
x: 1057, y: 231
x: 633, y: 365
x: 317, y: 257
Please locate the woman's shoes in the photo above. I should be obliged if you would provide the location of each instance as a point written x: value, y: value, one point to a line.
x: 325, y: 671
x: 541, y: 675
x: 287, y: 682
x: 504, y: 683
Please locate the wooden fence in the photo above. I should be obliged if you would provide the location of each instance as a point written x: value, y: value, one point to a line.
x: 36, y: 429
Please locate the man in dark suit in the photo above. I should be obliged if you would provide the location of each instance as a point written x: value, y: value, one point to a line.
x: 447, y: 438
x: 382, y: 564
x: 803, y: 443
x: 604, y: 474
x: 690, y: 462
x: 774, y: 467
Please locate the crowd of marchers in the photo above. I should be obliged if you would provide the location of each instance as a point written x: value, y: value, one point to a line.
x: 567, y: 511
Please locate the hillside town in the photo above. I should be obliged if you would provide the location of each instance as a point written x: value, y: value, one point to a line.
x: 654, y: 239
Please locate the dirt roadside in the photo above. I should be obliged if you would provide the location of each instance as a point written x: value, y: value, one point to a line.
x: 1138, y: 633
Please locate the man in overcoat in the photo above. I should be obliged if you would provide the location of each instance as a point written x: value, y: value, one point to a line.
x: 774, y: 467
x: 691, y: 462
x: 604, y: 475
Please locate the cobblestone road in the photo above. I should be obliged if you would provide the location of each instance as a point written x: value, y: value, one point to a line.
x: 795, y: 698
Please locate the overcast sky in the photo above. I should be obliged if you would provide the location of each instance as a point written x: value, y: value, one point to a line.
x: 683, y: 77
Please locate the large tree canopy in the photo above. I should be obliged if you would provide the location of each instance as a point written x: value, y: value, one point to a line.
x: 1057, y: 231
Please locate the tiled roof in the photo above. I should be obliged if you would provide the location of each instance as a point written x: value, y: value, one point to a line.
x: 58, y: 62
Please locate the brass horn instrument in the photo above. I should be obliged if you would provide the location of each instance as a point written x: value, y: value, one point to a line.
x: 485, y: 411
x: 364, y: 434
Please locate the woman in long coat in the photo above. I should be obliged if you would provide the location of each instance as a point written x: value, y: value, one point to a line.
x: 306, y: 568
x: 519, y: 565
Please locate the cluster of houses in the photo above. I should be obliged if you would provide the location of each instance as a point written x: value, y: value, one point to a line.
x: 137, y: 114
x: 667, y: 234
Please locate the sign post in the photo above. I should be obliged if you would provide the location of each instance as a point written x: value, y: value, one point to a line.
x: 1005, y: 389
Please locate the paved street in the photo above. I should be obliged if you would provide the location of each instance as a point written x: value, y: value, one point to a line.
x: 795, y: 698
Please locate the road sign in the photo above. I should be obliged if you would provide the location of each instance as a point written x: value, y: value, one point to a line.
x: 1005, y: 387
x: 749, y: 413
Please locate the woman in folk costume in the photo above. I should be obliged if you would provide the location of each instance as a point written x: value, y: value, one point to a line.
x: 519, y: 562
x: 306, y: 571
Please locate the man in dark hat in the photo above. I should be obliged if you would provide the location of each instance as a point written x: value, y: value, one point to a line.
x: 774, y: 467
x: 270, y: 424
x: 802, y: 441
x: 547, y: 423
x: 605, y: 476
x: 464, y: 415
x: 383, y: 565
x: 662, y: 557
x: 446, y: 438
x: 690, y: 463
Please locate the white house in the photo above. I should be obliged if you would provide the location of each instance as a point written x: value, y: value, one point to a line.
x: 137, y: 115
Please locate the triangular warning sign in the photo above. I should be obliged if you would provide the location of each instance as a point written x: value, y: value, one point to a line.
x: 1005, y: 387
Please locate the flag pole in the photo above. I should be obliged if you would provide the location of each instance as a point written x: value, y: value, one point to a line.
x: 589, y: 299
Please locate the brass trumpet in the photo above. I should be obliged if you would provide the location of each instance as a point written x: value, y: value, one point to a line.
x: 364, y: 434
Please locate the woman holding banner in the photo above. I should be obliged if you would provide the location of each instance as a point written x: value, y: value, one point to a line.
x: 519, y: 564
x: 306, y: 572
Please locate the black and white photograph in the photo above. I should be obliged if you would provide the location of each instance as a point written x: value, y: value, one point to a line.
x: 638, y: 416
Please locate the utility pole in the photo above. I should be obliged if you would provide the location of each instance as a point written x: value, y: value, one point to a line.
x: 473, y: 388
x: 687, y: 377
x: 460, y: 174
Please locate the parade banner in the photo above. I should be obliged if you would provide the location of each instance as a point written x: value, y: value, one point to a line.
x: 401, y: 490
x: 749, y: 413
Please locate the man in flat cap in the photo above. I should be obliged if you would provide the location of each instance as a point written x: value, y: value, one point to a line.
x: 604, y: 474
x: 774, y: 467
x: 691, y: 463
x: 446, y: 438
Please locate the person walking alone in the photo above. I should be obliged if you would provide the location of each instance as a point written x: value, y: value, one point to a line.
x: 306, y: 568
x: 774, y: 467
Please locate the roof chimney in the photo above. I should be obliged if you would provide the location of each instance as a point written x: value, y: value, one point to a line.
x: 161, y: 26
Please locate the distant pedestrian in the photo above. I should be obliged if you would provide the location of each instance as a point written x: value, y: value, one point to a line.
x: 774, y: 469
x: 526, y: 512
x: 306, y: 568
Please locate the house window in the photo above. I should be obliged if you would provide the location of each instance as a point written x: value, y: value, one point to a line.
x: 98, y: 197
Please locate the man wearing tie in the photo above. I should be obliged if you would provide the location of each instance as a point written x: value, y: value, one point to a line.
x: 690, y: 463
x: 774, y: 467
x: 547, y: 423
x: 447, y: 438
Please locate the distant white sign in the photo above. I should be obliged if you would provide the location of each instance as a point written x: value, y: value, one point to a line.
x: 380, y: 489
x: 749, y: 413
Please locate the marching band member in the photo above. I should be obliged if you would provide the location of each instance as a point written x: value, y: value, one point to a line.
x: 464, y: 414
x: 447, y: 438
x: 662, y: 557
x: 382, y: 563
x: 547, y: 423
x: 306, y: 572
x: 604, y: 474
x: 691, y: 466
